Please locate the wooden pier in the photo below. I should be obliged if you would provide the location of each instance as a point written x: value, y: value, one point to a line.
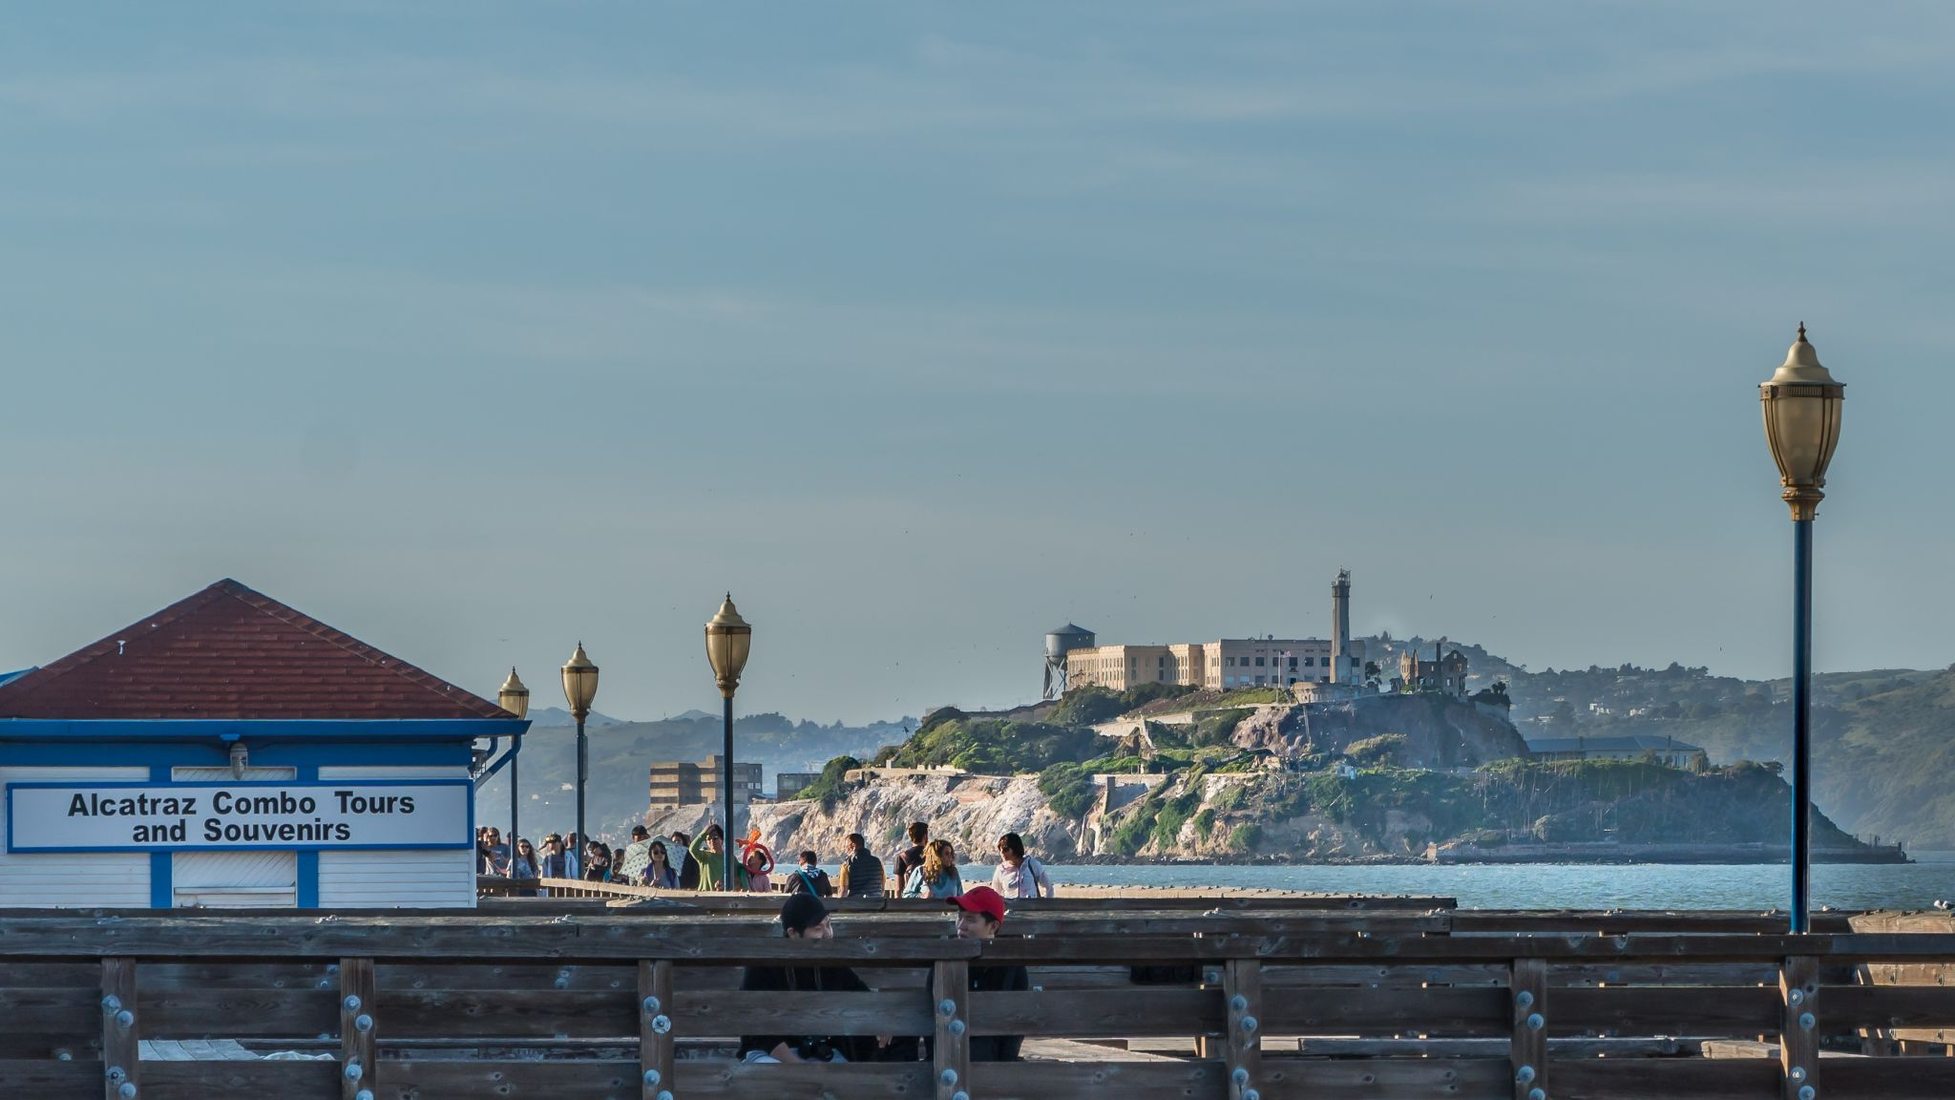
x: 1246, y: 998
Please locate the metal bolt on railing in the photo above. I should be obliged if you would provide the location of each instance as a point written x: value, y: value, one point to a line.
x: 661, y: 1024
x: 651, y: 1077
x: 946, y: 1007
x: 1240, y: 1076
x: 111, y: 1003
x: 1807, y: 1092
x: 665, y: 1094
x: 1797, y: 1074
x: 960, y: 1094
x: 1525, y: 998
x: 353, y: 1072
x: 651, y: 1006
x: 1806, y: 1021
x: 1238, y: 1002
x: 1251, y: 1094
x: 1523, y: 1075
x: 127, y: 1091
x: 948, y: 1076
x: 1796, y: 997
x: 1535, y: 1021
x: 1537, y: 1094
x: 363, y: 1023
x: 125, y: 1019
x: 363, y: 1094
x: 1249, y: 1023
x: 117, y: 1074
x: 351, y: 1003
x: 957, y: 1027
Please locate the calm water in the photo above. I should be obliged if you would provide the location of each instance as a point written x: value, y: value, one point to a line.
x: 1567, y: 886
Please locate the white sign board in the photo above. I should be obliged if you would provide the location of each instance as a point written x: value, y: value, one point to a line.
x: 166, y: 817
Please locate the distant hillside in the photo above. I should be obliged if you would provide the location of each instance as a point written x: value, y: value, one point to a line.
x: 1884, y: 739
x: 621, y: 753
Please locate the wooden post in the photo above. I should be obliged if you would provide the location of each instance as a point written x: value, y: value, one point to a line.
x: 1799, y: 1033
x: 950, y: 986
x: 357, y: 1027
x: 1528, y: 1053
x: 121, y: 1057
x: 1242, y: 985
x: 655, y: 1029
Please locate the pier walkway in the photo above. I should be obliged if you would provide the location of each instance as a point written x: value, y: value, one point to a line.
x: 1251, y: 998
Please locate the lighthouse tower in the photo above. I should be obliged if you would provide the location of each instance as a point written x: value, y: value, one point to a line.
x: 1340, y: 629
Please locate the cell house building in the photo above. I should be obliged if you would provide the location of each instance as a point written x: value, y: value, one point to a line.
x: 231, y: 751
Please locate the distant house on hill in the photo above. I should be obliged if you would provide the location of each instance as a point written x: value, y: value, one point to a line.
x: 1667, y: 750
x: 1444, y: 674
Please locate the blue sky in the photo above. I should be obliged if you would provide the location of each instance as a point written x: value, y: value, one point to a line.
x: 477, y: 329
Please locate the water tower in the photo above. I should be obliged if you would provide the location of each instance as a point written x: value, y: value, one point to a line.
x: 1058, y: 643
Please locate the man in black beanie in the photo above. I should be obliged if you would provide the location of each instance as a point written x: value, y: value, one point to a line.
x: 804, y: 917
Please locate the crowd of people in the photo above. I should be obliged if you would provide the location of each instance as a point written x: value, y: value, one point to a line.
x: 925, y: 869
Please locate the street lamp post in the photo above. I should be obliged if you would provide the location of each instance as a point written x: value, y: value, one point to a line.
x: 514, y: 698
x: 728, y: 640
x: 1802, y: 425
x: 579, y: 688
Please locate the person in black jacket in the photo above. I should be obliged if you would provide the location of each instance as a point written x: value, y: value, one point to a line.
x: 808, y: 879
x: 980, y: 913
x: 804, y: 917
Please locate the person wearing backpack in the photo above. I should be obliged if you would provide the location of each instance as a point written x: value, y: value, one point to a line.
x: 862, y: 874
x: 809, y: 879
x: 1019, y: 875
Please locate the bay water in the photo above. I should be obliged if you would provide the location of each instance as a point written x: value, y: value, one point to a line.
x: 1756, y: 886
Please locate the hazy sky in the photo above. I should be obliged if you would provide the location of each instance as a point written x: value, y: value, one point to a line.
x: 477, y: 329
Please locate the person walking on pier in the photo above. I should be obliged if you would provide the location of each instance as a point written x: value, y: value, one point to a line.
x: 937, y: 877
x: 804, y: 917
x: 553, y: 865
x: 706, y: 853
x: 862, y: 875
x: 659, y: 872
x: 809, y: 878
x: 910, y: 860
x: 1019, y: 875
x: 682, y: 861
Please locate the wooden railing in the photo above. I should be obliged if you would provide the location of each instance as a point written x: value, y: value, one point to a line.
x: 1255, y: 1006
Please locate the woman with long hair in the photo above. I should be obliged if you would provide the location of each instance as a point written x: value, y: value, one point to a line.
x: 939, y: 877
x: 523, y: 863
x: 658, y: 872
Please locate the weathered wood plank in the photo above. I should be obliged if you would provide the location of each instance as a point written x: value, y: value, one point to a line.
x: 1439, y: 1010
x: 192, y: 1012
x: 1889, y: 1006
x: 1666, y: 1010
x: 1242, y: 1036
x: 359, y: 1018
x: 515, y: 1080
x: 283, y: 1080
x: 799, y: 1012
x: 1799, y: 1027
x: 1126, y: 1080
x: 121, y: 1027
x: 654, y: 1029
x: 1528, y: 1053
x: 1888, y: 1078
x: 41, y: 1078
x: 1667, y: 1078
x: 803, y: 1082
x: 1093, y: 1013
x: 951, y: 1051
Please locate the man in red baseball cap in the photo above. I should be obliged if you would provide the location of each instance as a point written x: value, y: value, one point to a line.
x: 980, y: 913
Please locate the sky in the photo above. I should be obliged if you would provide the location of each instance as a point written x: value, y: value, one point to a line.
x: 480, y: 329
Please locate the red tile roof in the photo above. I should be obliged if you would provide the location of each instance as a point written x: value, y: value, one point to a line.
x: 230, y: 652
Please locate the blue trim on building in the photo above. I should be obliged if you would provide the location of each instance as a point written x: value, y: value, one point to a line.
x: 308, y: 868
x: 162, y: 865
x: 213, y: 754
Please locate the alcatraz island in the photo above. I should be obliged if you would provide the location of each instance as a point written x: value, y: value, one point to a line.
x: 1332, y: 750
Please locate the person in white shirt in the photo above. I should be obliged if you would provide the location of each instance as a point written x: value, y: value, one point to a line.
x: 1019, y: 875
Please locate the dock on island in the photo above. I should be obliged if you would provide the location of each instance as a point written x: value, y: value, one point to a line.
x: 1249, y: 995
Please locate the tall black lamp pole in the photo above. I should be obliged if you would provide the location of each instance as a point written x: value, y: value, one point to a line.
x: 1802, y: 425
x: 514, y: 698
x: 579, y: 689
x: 728, y: 640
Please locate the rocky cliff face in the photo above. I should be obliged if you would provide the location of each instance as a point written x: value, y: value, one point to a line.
x: 1440, y: 731
x: 970, y: 811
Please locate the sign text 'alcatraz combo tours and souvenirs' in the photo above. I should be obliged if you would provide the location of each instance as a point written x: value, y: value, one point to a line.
x: 115, y: 817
